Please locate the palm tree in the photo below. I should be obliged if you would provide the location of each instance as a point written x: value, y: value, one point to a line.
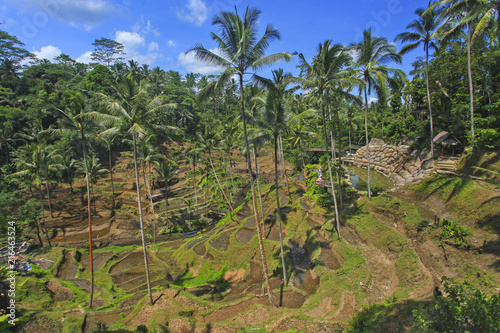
x: 299, y: 135
x: 134, y: 109
x: 275, y: 117
x: 373, y: 53
x: 74, y: 119
x: 94, y: 169
x: 108, y: 136
x: 240, y: 51
x: 424, y: 32
x: 166, y: 171
x: 474, y: 16
x: 327, y: 71
x: 207, y: 141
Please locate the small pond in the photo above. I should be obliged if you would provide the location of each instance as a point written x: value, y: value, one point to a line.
x: 359, y: 178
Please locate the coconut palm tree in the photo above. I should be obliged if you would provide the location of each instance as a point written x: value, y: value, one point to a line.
x: 300, y: 134
x: 75, y: 119
x: 134, y: 109
x: 424, y: 32
x: 166, y: 171
x: 274, y: 119
x: 32, y: 160
x: 327, y: 71
x: 372, y: 55
x: 108, y: 136
x: 207, y: 141
x: 240, y: 50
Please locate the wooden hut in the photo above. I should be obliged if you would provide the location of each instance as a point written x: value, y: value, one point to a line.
x: 447, y: 142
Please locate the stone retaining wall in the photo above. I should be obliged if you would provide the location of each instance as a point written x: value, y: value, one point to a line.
x: 396, y: 162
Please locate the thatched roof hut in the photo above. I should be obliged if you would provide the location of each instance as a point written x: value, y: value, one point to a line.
x: 446, y: 140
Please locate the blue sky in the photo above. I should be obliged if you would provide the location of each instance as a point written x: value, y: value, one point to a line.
x: 160, y: 32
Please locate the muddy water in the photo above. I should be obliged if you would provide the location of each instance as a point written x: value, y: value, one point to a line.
x: 359, y: 176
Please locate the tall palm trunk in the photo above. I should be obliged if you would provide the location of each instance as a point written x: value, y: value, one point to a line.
x: 254, y: 201
x: 166, y: 203
x: 146, y: 265
x: 278, y: 214
x: 220, y: 187
x: 329, y: 166
x: 152, y: 209
x: 334, y: 156
x: 284, y: 169
x: 429, y: 97
x: 38, y: 231
x: 49, y: 198
x: 339, y: 157
x: 367, y: 145
x: 44, y: 226
x: 195, y: 186
x: 254, y: 150
x: 471, y: 87
x: 91, y: 255
x: 111, y: 175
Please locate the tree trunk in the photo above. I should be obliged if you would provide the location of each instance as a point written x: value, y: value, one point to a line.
x: 254, y: 201
x: 195, y: 186
x: 471, y: 87
x: 329, y: 166
x: 50, y: 200
x: 334, y: 156
x: 222, y: 190
x: 429, y: 97
x: 38, y: 231
x: 258, y: 189
x: 278, y: 214
x: 44, y: 227
x: 166, y: 205
x: 152, y: 209
x: 146, y: 265
x: 111, y: 175
x: 91, y: 255
x: 367, y: 145
x: 284, y: 169
x: 339, y: 136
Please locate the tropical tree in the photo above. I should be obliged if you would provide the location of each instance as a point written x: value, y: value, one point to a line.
x: 134, y: 109
x: 207, y: 141
x: 240, y: 50
x: 372, y: 54
x: 32, y: 160
x: 166, y: 172
x: 108, y: 136
x: 327, y: 71
x: 474, y: 16
x: 424, y: 32
x: 75, y: 119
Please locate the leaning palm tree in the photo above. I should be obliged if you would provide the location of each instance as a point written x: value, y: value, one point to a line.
x: 207, y: 141
x: 372, y: 55
x: 241, y: 51
x: 327, y: 71
x: 134, y: 109
x: 424, y: 32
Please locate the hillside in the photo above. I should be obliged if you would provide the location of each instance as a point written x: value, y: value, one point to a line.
x: 389, y: 253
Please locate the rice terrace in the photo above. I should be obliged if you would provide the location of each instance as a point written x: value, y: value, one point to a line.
x: 218, y: 166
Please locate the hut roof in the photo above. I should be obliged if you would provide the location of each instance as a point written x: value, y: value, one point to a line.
x: 446, y: 138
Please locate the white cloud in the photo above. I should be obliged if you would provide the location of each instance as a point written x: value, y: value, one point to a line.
x: 134, y: 46
x: 197, y: 12
x: 372, y: 100
x: 193, y: 65
x: 145, y: 27
x: 130, y: 40
x: 153, y: 47
x: 171, y: 43
x: 48, y: 52
x: 84, y: 14
x: 85, y: 57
